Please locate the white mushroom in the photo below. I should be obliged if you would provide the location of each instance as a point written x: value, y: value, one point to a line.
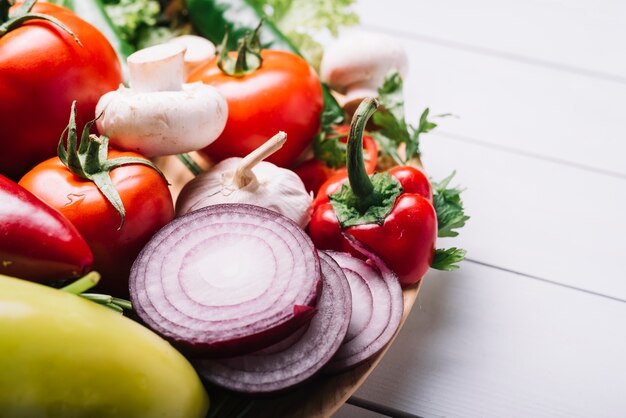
x: 199, y: 50
x: 250, y: 180
x: 158, y: 114
x: 357, y: 63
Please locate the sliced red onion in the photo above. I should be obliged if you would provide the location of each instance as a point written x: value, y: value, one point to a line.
x: 377, y: 307
x: 226, y: 279
x: 292, y: 361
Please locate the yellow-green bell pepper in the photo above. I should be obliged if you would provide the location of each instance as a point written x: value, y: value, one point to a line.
x: 64, y: 356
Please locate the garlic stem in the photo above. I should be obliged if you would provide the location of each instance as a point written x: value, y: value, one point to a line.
x: 244, y: 175
x: 158, y: 68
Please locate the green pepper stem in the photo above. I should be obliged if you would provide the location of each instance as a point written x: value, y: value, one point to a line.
x: 359, y: 180
x: 83, y: 284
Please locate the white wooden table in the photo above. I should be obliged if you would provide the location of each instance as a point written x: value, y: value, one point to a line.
x: 534, y: 323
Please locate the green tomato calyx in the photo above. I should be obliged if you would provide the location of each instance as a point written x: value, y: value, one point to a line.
x: 248, y: 54
x: 89, y: 160
x: 23, y: 14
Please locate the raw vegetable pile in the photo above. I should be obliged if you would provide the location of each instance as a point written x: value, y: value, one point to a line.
x: 283, y: 259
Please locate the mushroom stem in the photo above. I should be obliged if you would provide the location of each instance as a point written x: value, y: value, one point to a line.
x: 244, y: 175
x: 361, y: 90
x: 158, y: 68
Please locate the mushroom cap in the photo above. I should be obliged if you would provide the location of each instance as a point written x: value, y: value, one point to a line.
x: 199, y: 50
x: 357, y: 63
x: 163, y: 122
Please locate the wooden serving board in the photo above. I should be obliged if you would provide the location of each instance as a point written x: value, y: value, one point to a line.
x: 321, y: 396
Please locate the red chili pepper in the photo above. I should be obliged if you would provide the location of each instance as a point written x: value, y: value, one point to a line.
x: 315, y: 172
x: 412, y: 180
x: 390, y: 212
x: 37, y: 242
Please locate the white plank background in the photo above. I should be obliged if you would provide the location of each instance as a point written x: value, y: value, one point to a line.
x: 533, y: 324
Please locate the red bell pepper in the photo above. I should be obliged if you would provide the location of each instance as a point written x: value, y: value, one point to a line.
x: 36, y: 242
x: 316, y: 171
x: 391, y: 212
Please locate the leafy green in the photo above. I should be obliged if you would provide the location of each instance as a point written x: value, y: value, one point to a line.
x: 394, y: 130
x: 446, y: 259
x: 348, y: 206
x: 449, y: 207
x: 332, y: 113
x: 302, y: 20
x: 329, y: 149
x: 153, y: 35
x: 134, y: 18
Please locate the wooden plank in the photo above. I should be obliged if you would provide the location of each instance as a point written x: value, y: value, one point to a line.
x: 582, y: 36
x: 553, y: 115
x: 485, y: 343
x: 532, y: 216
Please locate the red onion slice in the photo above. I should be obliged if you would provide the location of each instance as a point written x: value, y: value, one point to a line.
x: 377, y: 307
x: 288, y: 363
x: 226, y: 279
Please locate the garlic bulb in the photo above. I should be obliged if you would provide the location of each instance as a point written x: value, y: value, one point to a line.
x: 250, y: 180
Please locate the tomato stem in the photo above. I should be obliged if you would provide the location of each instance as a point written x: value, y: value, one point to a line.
x: 23, y: 14
x: 357, y: 175
x: 90, y: 161
x: 248, y: 55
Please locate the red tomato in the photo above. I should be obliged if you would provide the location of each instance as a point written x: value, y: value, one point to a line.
x: 42, y: 70
x: 145, y: 196
x: 284, y: 94
x: 314, y: 173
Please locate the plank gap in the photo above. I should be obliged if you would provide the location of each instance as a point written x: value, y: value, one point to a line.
x: 542, y: 279
x: 381, y: 409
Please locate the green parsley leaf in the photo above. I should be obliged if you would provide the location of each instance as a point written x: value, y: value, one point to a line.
x: 391, y: 95
x: 387, y: 146
x: 329, y: 149
x: 392, y: 123
x: 332, y: 113
x: 449, y: 207
x: 446, y: 259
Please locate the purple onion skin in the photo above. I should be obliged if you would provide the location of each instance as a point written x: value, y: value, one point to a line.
x: 249, y: 344
x: 396, y: 301
x: 302, y: 313
x: 288, y: 364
